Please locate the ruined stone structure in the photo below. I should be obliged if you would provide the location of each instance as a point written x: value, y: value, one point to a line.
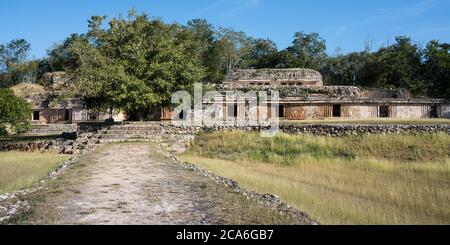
x: 267, y: 77
x: 50, y: 107
x: 66, y: 111
x: 303, y: 96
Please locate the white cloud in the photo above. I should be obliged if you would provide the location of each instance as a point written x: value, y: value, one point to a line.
x: 242, y: 6
x: 341, y: 29
x: 229, y: 8
x: 412, y: 10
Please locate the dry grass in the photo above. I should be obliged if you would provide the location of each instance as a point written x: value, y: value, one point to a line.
x: 26, y: 90
x: 22, y: 169
x: 370, y: 121
x: 401, y: 179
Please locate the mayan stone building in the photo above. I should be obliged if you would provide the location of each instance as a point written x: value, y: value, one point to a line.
x: 273, y: 77
x: 50, y: 107
x: 303, y: 96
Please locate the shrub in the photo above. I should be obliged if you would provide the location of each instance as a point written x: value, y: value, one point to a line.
x: 14, y: 112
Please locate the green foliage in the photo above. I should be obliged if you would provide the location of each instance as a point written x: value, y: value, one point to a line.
x: 14, y: 112
x: 14, y: 67
x: 209, y: 48
x: 134, y: 64
x: 291, y: 149
x: 138, y: 58
x: 233, y: 46
x: 307, y: 50
x: 399, y: 66
x: 404, y: 65
x: 59, y: 58
x: 261, y: 54
x: 437, y: 69
x: 16, y: 51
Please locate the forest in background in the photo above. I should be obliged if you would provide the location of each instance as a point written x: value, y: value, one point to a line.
x: 137, y: 61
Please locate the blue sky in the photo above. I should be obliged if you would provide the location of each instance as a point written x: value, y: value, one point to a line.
x: 344, y: 23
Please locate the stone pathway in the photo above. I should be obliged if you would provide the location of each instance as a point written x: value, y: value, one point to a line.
x: 133, y: 183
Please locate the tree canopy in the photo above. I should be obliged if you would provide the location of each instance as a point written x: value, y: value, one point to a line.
x: 136, y: 62
x: 15, y: 112
x: 14, y: 66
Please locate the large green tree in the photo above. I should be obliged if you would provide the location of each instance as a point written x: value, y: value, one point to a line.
x: 60, y: 57
x: 208, y: 49
x: 15, y: 112
x: 14, y: 65
x: 345, y: 69
x: 232, y: 46
x: 437, y: 69
x: 308, y: 50
x: 399, y: 66
x: 262, y: 53
x: 136, y: 63
x: 12, y: 53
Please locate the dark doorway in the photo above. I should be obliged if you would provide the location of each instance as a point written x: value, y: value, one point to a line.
x: 36, y: 116
x: 66, y: 115
x: 281, y: 111
x: 433, y: 111
x: 232, y: 110
x: 384, y: 111
x: 183, y: 115
x: 336, y: 111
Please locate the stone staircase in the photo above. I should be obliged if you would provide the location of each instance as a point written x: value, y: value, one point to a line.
x: 51, y: 129
x: 152, y: 132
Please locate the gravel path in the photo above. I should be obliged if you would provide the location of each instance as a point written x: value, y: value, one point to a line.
x: 135, y: 184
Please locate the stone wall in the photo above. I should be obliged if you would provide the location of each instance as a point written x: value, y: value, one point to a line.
x: 52, y: 129
x: 324, y: 130
x: 274, y: 76
x: 91, y: 134
x: 32, y: 146
x: 341, y: 130
x: 65, y: 145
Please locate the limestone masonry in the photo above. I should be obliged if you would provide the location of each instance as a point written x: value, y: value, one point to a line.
x: 302, y: 96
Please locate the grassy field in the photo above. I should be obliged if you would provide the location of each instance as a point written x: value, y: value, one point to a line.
x: 22, y: 169
x: 427, y: 121
x: 375, y: 179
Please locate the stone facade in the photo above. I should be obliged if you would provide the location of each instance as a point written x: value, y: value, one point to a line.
x: 50, y: 107
x: 300, y: 77
x: 153, y: 130
x: 303, y: 96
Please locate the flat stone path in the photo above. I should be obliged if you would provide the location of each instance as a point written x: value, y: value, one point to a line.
x: 133, y: 183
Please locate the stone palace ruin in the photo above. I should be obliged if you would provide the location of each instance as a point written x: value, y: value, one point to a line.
x: 302, y: 96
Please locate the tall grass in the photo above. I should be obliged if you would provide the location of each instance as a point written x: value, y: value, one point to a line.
x: 22, y: 169
x: 374, y: 179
